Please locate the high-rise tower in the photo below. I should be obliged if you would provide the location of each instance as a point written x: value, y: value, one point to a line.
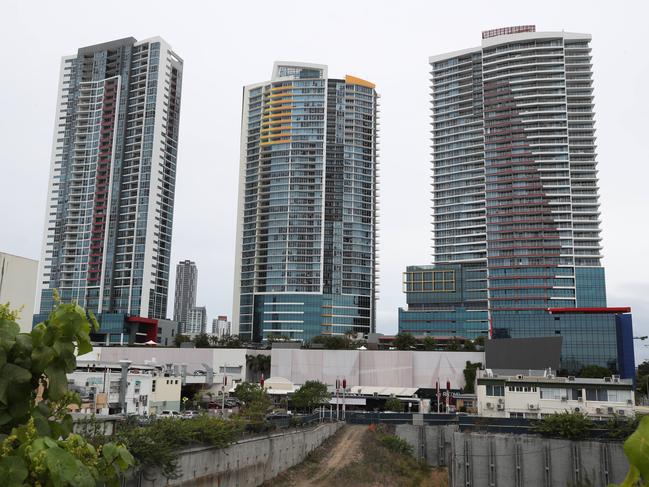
x: 185, y: 294
x: 516, y: 221
x: 112, y: 179
x: 307, y: 221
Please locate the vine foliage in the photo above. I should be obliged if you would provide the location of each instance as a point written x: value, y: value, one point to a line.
x: 37, y: 445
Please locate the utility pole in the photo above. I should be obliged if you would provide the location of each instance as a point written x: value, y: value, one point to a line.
x: 225, y: 383
x: 344, y: 390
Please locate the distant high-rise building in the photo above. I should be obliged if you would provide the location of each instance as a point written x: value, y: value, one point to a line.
x: 221, y: 326
x: 185, y: 295
x: 307, y: 218
x: 110, y: 202
x: 196, y: 321
x: 516, y: 220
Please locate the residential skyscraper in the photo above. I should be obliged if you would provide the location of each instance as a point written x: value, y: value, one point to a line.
x: 516, y: 220
x: 185, y: 294
x: 112, y: 179
x: 196, y: 321
x: 307, y: 218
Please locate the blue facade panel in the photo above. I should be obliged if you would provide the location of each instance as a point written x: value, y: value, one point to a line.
x: 625, y: 351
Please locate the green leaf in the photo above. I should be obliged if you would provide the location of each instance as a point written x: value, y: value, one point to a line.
x: 66, y: 469
x: 57, y: 384
x: 636, y: 448
x: 41, y: 358
x: 13, y: 471
x: 14, y: 373
x: 8, y: 332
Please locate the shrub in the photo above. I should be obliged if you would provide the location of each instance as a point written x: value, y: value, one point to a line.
x: 396, y: 444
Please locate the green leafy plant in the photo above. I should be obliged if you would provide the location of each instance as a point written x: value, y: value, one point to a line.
x: 572, y: 425
x: 37, y: 446
x: 429, y: 343
x: 393, y: 404
x: 405, y: 341
x: 636, y: 449
x: 396, y: 444
x: 469, y: 376
x: 156, y: 445
x: 311, y: 394
x: 594, y: 372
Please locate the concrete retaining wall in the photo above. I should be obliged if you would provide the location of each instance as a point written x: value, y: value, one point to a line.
x: 430, y: 443
x: 523, y: 460
x: 247, y: 463
x: 503, y: 460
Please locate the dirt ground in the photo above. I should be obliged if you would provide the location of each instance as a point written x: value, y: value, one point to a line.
x: 347, y: 459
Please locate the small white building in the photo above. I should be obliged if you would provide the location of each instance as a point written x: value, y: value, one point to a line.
x: 18, y: 276
x: 507, y: 395
x: 148, y: 389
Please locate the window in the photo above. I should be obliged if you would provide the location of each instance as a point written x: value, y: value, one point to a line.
x: 596, y: 395
x: 515, y: 415
x: 493, y: 390
x: 553, y: 393
x: 153, y: 386
x: 615, y: 395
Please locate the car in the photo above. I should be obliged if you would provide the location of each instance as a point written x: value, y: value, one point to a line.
x: 169, y: 414
x: 190, y: 414
x: 200, y: 372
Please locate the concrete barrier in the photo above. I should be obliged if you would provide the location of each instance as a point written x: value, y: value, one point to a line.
x: 477, y: 459
x: 247, y: 463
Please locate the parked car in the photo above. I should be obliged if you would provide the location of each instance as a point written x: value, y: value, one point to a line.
x: 190, y: 414
x: 169, y: 414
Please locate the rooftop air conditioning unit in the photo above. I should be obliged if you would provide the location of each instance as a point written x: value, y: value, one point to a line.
x: 571, y: 377
x: 607, y: 379
x: 577, y: 410
x: 532, y: 406
x: 621, y: 412
x: 616, y: 378
x: 610, y: 410
x: 598, y: 410
x: 519, y: 376
x: 580, y: 399
x: 501, y: 407
x: 490, y: 405
x: 501, y: 401
x: 564, y: 398
x: 629, y: 401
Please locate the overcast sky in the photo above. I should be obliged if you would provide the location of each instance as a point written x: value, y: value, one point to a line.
x: 226, y: 45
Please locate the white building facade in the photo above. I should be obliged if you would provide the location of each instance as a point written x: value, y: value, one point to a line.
x: 18, y: 277
x: 535, y: 397
x: 108, y: 224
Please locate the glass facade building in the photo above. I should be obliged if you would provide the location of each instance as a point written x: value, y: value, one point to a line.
x: 112, y: 179
x: 306, y: 231
x: 515, y: 187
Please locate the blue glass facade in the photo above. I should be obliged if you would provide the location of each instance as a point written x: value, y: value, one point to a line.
x: 307, y: 206
x: 515, y: 193
x: 445, y: 300
x: 603, y: 339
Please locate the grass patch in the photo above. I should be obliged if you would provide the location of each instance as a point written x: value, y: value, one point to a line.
x: 386, y: 461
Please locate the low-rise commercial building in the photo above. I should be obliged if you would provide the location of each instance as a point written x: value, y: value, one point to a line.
x: 124, y: 387
x: 536, y: 396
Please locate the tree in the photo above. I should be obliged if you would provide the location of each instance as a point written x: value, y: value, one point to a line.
x: 480, y: 341
x: 571, y: 425
x: 258, y: 364
x: 201, y: 341
x: 429, y: 343
x: 393, y: 404
x: 453, y: 345
x: 178, y: 339
x: 256, y: 401
x: 594, y: 372
x: 469, y: 376
x: 469, y: 346
x: 36, y: 441
x: 230, y: 341
x: 311, y: 394
x: 334, y: 342
x: 405, y: 341
x: 642, y: 377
